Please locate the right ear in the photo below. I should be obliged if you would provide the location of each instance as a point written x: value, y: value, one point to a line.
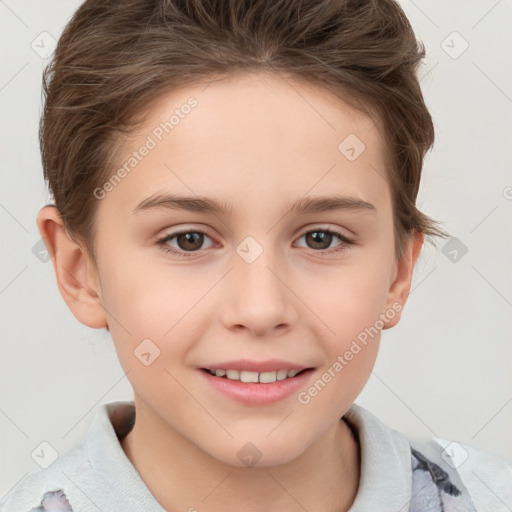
x: 76, y: 273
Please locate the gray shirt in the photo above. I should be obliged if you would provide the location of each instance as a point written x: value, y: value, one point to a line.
x: 396, y: 474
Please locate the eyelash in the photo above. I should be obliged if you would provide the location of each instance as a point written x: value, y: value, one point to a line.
x: 162, y: 242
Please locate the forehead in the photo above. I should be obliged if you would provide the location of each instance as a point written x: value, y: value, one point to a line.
x: 253, y: 136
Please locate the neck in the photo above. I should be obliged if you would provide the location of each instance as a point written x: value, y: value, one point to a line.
x: 324, y: 478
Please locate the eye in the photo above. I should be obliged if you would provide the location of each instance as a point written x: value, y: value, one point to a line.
x: 189, y: 241
x: 321, y: 239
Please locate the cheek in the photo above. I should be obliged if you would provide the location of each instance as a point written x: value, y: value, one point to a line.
x: 352, y: 314
x: 351, y: 309
x: 338, y: 383
x: 154, y: 314
x: 152, y: 300
x: 350, y: 300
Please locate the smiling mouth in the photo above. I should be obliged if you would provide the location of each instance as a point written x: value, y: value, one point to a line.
x: 255, y: 377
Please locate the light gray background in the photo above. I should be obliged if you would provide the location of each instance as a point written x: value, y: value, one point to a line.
x: 444, y: 371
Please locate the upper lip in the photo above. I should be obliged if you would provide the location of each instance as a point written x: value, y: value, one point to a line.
x: 269, y: 365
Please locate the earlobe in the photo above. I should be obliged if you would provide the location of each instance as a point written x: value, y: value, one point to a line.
x: 401, y: 286
x: 75, y: 273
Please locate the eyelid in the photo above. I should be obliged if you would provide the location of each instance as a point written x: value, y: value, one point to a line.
x: 187, y: 229
x: 172, y: 234
x: 321, y: 226
x: 347, y: 233
x: 346, y: 240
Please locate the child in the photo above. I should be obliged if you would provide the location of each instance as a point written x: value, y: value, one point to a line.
x: 262, y: 130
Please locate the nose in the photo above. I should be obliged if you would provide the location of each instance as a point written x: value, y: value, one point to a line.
x: 258, y: 298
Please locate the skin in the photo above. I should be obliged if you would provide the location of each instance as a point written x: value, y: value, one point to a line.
x: 259, y: 143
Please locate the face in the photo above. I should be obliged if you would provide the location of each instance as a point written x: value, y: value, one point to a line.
x: 293, y: 269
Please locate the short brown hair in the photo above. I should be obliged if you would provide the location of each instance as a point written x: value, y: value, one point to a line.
x: 115, y: 58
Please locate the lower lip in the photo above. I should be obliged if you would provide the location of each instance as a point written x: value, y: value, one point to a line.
x: 252, y: 393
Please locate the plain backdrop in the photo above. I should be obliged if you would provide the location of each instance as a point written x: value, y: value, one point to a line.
x: 444, y: 371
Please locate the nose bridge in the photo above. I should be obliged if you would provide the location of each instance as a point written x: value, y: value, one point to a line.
x: 256, y: 267
x: 259, y: 299
x: 254, y: 264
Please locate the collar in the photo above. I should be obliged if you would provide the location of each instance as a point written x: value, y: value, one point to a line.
x: 108, y: 460
x: 386, y: 473
x: 385, y: 480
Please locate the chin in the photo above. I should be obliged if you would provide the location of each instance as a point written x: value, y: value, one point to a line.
x: 258, y: 454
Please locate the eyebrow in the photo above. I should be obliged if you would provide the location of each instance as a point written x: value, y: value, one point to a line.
x: 201, y: 204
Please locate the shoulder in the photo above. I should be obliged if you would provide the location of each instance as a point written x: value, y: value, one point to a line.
x: 87, y: 476
x: 457, y: 469
x: 52, y: 487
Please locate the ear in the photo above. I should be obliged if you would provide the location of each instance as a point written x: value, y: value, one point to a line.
x: 76, y: 273
x: 401, y: 286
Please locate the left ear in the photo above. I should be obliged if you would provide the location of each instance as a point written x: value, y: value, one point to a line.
x: 401, y: 286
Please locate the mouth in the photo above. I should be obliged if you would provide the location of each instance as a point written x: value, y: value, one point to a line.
x: 257, y: 383
x: 247, y: 376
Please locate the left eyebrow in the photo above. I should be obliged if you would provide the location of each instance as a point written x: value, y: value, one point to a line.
x: 330, y: 203
x: 203, y: 204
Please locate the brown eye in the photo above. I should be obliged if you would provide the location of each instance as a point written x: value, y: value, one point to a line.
x: 191, y: 241
x: 186, y: 242
x: 321, y: 240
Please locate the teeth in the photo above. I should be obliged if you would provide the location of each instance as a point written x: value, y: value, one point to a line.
x: 247, y: 376
x: 267, y: 377
x: 233, y: 374
x: 282, y: 374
